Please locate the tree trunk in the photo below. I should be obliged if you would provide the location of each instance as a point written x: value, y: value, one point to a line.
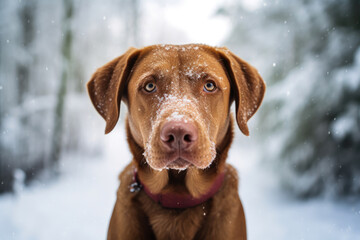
x: 61, y: 94
x: 8, y: 162
x: 132, y: 18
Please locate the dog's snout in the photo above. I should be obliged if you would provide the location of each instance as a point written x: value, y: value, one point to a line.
x: 178, y: 135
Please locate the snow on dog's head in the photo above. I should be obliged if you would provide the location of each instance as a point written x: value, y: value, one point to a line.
x: 178, y: 100
x: 178, y: 97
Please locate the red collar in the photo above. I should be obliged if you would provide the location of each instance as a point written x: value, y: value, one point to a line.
x: 176, y: 200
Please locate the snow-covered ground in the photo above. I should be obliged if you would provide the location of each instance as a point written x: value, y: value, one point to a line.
x: 78, y: 204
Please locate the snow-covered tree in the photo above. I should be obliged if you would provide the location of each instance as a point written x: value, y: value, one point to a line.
x: 309, y: 54
x: 31, y: 66
x: 41, y: 55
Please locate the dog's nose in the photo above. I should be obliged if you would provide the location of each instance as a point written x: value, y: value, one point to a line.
x: 177, y: 135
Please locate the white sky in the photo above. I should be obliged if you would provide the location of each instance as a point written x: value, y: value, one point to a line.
x: 187, y: 21
x: 198, y: 20
x: 183, y: 21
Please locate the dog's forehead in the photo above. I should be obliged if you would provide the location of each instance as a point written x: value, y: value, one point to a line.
x: 187, y: 58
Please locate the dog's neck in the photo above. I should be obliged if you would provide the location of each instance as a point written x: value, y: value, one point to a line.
x: 179, y: 200
x: 158, y: 182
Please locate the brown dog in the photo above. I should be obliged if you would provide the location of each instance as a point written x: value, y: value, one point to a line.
x: 179, y: 130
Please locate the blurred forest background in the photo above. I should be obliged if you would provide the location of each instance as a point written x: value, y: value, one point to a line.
x: 307, y: 132
x: 309, y: 54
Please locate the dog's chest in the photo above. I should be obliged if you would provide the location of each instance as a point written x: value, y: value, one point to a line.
x: 181, y: 226
x: 178, y: 224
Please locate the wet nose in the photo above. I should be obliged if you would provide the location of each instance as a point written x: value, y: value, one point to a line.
x: 178, y: 135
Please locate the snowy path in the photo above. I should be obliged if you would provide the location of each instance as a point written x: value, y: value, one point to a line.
x: 273, y: 215
x: 79, y: 204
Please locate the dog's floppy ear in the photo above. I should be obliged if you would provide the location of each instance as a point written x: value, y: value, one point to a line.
x: 107, y: 86
x: 248, y: 87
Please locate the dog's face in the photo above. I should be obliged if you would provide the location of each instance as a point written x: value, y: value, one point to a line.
x: 178, y: 99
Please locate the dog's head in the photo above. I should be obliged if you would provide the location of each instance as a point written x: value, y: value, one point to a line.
x: 179, y: 99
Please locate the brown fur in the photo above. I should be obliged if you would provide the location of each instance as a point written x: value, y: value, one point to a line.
x: 179, y: 72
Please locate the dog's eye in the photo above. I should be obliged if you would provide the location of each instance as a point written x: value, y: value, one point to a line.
x: 209, y: 87
x: 150, y: 87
